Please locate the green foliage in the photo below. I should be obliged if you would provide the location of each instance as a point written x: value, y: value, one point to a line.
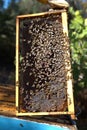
x: 78, y: 38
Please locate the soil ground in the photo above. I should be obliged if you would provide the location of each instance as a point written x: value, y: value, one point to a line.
x: 7, y: 100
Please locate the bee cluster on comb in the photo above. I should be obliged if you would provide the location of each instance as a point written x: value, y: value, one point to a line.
x: 44, y: 59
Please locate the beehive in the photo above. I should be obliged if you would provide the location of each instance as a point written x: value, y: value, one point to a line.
x: 43, y: 68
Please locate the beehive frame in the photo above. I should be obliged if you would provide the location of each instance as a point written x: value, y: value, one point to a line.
x: 70, y: 101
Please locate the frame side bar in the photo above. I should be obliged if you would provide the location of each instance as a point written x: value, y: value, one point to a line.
x: 17, y: 65
x: 70, y: 98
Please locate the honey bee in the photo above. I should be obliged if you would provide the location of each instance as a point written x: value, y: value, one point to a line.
x: 45, y: 60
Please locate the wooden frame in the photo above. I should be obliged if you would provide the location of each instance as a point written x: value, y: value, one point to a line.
x: 69, y: 82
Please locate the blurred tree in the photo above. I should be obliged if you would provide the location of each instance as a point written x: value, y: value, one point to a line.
x: 33, y: 6
x: 7, y: 37
x: 1, y: 5
x: 78, y: 38
x: 79, y: 5
x: 84, y: 5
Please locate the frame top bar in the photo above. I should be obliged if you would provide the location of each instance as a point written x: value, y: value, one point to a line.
x: 41, y: 14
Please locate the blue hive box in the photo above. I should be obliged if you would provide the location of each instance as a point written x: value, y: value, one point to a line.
x: 10, y: 123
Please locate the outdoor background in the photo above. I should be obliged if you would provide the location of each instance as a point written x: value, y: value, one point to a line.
x: 77, y: 23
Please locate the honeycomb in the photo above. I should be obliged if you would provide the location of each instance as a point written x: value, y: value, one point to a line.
x: 44, y: 59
